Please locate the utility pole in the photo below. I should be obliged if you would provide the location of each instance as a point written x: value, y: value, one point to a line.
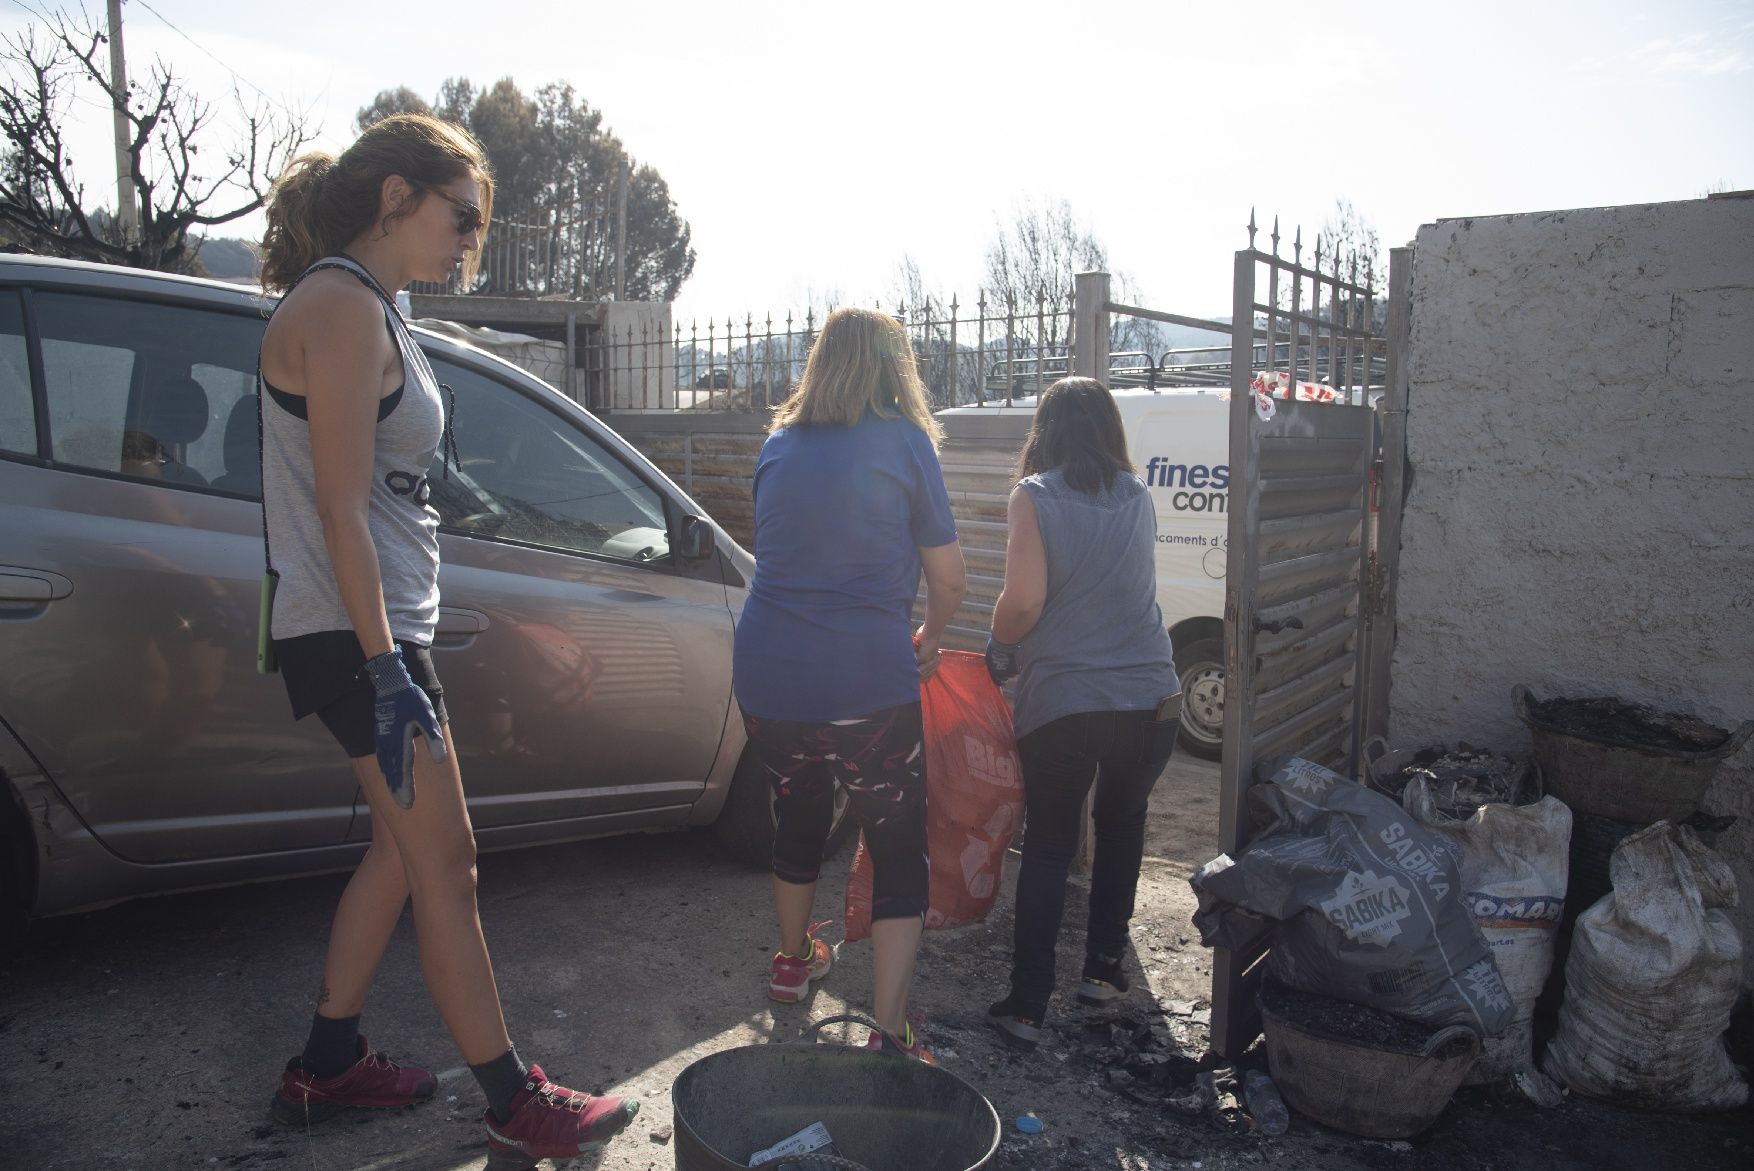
x: 127, y: 216
x: 621, y: 231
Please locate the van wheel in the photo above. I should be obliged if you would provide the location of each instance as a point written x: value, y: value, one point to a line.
x: 1201, y: 666
x: 745, y: 825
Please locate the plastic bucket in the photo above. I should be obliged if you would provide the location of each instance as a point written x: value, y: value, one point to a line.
x: 1621, y: 781
x: 884, y: 1112
x: 1363, y: 1089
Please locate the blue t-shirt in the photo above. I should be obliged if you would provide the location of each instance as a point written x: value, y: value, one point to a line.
x: 840, y: 516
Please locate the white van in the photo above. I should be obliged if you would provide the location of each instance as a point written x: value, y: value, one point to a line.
x: 1179, y: 439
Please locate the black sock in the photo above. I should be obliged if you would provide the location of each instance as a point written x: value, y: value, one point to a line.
x: 332, y: 1047
x: 501, y: 1079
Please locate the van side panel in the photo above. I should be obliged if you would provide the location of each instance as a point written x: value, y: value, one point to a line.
x: 1180, y: 444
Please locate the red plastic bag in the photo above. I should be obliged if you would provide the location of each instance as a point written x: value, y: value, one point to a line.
x: 974, y: 798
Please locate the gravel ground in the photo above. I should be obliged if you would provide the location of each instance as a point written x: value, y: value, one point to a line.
x: 151, y: 1035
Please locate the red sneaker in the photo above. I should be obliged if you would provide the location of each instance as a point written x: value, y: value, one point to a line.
x: 551, y: 1122
x: 374, y: 1082
x: 909, y: 1046
x: 791, y: 976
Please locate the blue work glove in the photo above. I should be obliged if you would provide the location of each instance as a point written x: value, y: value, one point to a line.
x: 1001, y: 660
x: 402, y: 712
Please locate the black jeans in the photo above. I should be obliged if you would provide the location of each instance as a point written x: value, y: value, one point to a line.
x: 1123, y: 753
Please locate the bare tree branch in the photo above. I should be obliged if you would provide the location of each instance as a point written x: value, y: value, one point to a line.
x: 1030, y: 266
x: 172, y: 134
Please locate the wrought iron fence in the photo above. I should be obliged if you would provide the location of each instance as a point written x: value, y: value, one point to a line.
x: 996, y: 350
x: 563, y: 248
x: 1318, y: 324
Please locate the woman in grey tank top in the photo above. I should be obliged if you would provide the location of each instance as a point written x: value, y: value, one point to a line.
x: 351, y: 418
x: 1077, y: 622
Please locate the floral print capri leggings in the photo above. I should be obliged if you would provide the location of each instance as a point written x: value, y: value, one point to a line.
x: 881, y: 763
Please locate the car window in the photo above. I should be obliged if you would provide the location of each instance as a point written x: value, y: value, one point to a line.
x: 18, y: 414
x: 162, y: 392
x: 528, y: 475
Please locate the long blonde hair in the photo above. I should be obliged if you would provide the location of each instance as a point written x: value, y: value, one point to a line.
x: 861, y: 362
x: 322, y: 202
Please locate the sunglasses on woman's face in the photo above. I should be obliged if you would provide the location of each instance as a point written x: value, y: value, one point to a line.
x: 469, y: 217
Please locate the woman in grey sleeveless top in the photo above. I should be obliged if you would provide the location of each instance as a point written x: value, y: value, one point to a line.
x: 1077, y: 623
x: 351, y: 418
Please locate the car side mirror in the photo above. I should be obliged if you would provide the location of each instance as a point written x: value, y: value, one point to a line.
x: 697, y: 542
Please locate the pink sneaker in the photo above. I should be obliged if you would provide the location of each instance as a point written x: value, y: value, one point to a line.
x: 374, y: 1082
x: 551, y: 1122
x: 791, y: 976
x: 909, y: 1046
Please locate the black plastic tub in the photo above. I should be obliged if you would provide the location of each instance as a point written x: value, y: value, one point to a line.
x: 885, y: 1113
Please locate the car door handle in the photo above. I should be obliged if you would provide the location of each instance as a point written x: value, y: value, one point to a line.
x: 458, y: 627
x: 30, y: 588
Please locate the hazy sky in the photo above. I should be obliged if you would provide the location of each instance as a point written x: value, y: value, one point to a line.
x: 813, y: 146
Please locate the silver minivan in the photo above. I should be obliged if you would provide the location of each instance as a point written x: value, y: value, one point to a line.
x: 584, y: 640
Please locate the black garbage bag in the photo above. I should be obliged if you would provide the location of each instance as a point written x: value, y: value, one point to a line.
x: 1367, y: 905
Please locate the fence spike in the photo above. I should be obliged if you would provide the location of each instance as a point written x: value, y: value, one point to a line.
x: 1275, y: 236
x: 1251, y: 227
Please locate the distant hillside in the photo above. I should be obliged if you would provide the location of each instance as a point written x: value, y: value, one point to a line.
x: 228, y: 259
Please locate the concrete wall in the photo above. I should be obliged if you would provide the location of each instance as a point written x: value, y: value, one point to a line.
x: 1581, y: 516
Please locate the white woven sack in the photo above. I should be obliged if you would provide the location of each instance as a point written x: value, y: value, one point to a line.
x: 1654, y: 969
x: 1513, y: 867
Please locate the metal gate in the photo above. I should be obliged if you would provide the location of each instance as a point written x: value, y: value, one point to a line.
x: 1304, y: 581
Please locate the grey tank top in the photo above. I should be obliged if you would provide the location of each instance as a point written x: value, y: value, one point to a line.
x: 1100, y: 644
x: 404, y: 527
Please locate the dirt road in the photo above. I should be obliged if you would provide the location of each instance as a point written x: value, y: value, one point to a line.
x: 150, y: 1036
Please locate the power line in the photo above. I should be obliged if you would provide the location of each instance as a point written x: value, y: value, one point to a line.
x: 216, y: 60
x: 32, y: 11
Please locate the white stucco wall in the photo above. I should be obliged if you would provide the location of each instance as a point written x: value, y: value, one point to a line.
x: 1580, y: 425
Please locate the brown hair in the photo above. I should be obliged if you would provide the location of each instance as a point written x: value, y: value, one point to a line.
x: 861, y: 362
x: 1076, y: 427
x: 320, y: 203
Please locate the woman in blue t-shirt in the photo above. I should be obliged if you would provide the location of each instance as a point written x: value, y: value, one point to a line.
x: 849, y: 507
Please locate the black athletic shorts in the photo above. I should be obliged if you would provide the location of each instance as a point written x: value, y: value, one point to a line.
x: 325, y: 674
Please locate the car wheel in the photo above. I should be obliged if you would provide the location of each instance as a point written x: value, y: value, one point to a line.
x: 14, y: 916
x: 1201, y: 667
x: 745, y: 825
